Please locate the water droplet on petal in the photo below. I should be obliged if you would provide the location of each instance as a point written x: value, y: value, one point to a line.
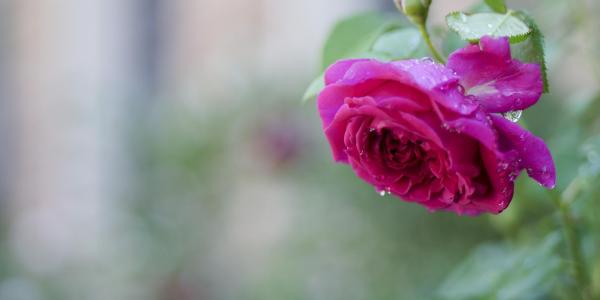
x: 502, y: 166
x: 428, y: 60
x: 382, y: 193
x: 513, y: 116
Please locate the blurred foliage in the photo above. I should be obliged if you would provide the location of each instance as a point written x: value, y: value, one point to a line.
x: 498, y: 271
x: 354, y: 36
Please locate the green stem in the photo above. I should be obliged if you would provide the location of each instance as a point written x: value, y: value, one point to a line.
x: 427, y: 38
x: 573, y: 241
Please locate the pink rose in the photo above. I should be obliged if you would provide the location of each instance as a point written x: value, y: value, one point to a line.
x: 433, y: 134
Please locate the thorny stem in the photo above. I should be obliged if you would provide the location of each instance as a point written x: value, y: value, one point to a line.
x: 572, y: 238
x: 427, y: 38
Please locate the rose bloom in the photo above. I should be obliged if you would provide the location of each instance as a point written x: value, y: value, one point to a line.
x: 435, y: 134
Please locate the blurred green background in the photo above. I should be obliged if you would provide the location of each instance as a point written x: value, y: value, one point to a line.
x: 158, y: 149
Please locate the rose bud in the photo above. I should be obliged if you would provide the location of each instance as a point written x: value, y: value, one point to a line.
x: 415, y: 10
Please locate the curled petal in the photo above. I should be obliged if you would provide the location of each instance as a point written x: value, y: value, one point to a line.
x: 476, y: 128
x: 497, y: 81
x: 333, y: 97
x: 533, y: 152
x: 337, y: 131
x: 501, y: 185
x: 337, y: 70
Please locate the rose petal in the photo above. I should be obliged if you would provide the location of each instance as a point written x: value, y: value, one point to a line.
x: 534, y: 154
x: 333, y: 96
x: 477, y: 128
x: 363, y: 77
x: 337, y: 70
x: 502, y: 187
x: 338, y: 128
x: 500, y: 83
x: 435, y: 80
x: 394, y: 104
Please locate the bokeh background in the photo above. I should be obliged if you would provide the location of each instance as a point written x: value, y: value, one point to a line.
x: 158, y: 149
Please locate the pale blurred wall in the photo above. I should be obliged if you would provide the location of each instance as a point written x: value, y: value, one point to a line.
x: 73, y: 71
x: 79, y: 73
x: 219, y: 48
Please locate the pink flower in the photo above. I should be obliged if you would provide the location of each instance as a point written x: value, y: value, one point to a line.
x: 432, y: 134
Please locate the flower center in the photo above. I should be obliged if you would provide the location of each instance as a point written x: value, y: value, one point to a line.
x: 400, y: 151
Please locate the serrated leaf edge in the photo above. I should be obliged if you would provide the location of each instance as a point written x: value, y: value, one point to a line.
x: 514, y: 39
x: 526, y: 18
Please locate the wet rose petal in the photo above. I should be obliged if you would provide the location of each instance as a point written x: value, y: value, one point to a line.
x: 533, y: 152
x: 497, y: 81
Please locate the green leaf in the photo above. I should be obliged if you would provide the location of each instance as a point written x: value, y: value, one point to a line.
x: 354, y: 35
x: 472, y: 27
x: 399, y: 44
x: 452, y: 42
x: 314, y: 88
x: 478, y: 7
x: 532, y: 50
x: 497, y: 5
x: 500, y: 271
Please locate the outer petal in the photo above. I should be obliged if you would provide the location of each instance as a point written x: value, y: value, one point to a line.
x: 338, y: 129
x: 500, y: 83
x: 534, y: 154
x: 333, y: 96
x: 502, y: 187
x: 437, y: 81
x: 476, y: 127
x: 337, y: 70
x: 364, y: 77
